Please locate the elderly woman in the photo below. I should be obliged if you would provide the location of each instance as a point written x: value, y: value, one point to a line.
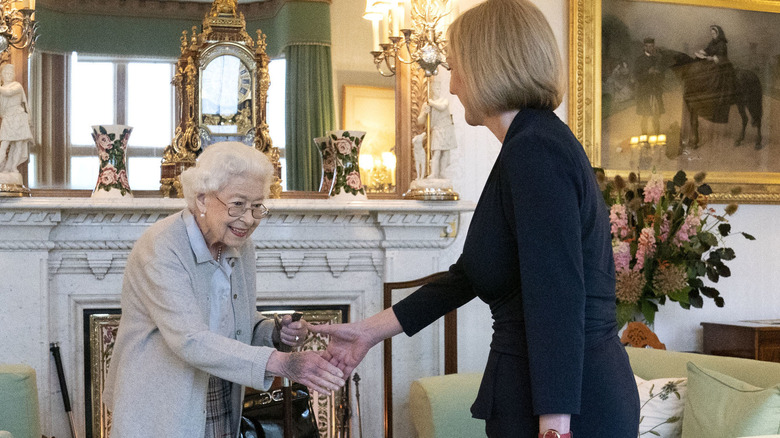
x: 190, y: 335
x: 538, y: 250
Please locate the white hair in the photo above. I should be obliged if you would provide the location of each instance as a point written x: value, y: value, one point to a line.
x: 219, y: 164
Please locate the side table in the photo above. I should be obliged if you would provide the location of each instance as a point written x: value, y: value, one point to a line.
x: 749, y: 339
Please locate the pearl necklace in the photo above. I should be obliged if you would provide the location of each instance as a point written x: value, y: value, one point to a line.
x: 219, y: 255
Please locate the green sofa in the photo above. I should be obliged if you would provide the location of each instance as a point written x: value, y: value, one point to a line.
x: 19, y: 401
x: 440, y: 405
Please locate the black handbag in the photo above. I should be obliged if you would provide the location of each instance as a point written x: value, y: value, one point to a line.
x: 263, y: 415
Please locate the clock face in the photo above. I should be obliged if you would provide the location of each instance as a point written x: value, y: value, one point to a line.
x: 244, y: 84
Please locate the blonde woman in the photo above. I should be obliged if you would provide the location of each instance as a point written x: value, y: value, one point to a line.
x: 190, y: 337
x: 538, y: 249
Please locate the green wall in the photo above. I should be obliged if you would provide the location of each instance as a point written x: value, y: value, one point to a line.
x: 295, y: 23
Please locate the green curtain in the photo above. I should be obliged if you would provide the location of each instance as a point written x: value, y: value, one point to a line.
x: 310, y: 112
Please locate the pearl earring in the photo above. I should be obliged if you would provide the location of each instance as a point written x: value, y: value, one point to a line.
x: 203, y: 215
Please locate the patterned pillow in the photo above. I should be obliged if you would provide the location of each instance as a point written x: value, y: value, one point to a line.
x: 662, y: 402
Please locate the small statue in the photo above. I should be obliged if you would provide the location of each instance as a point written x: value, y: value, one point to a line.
x: 419, y: 154
x: 223, y: 7
x: 442, y: 139
x: 15, y: 133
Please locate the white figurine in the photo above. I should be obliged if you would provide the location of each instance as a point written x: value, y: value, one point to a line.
x: 15, y: 133
x: 419, y: 154
x: 442, y: 130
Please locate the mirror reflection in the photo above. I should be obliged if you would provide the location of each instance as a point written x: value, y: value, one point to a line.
x: 226, y: 96
x: 68, y: 71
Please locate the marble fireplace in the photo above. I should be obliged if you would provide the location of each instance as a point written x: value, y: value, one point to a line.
x: 63, y: 258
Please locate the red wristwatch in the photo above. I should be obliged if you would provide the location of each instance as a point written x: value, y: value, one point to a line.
x: 551, y: 433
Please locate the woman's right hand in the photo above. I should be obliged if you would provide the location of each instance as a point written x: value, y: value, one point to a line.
x: 308, y: 368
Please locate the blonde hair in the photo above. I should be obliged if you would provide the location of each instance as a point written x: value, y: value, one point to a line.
x: 507, y: 56
x: 219, y: 164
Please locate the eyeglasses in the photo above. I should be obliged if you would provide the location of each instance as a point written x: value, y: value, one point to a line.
x: 237, y: 209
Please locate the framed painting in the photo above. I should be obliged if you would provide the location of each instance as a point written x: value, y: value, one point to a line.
x: 668, y: 85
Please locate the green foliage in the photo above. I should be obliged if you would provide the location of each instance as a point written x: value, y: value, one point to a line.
x: 666, y: 241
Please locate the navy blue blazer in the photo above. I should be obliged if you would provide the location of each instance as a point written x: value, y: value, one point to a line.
x: 539, y: 253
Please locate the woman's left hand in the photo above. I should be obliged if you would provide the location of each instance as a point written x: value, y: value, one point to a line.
x: 293, y: 333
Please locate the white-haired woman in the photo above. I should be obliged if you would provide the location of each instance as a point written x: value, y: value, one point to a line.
x: 538, y: 250
x: 190, y: 337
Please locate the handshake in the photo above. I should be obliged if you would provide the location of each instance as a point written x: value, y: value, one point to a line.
x: 325, y: 371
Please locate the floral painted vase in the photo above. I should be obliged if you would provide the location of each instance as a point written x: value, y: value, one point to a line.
x: 325, y: 146
x: 111, y: 143
x: 346, y: 178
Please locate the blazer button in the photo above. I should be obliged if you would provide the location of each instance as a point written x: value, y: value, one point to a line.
x: 238, y: 332
x: 235, y: 296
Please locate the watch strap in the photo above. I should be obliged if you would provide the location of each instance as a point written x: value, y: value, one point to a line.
x: 552, y: 433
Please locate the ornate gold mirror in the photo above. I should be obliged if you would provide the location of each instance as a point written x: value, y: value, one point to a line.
x: 221, y: 86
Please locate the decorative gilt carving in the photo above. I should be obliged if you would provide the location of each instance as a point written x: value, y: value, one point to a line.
x: 224, y: 33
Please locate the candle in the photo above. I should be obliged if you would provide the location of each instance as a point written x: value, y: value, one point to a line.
x: 661, y: 139
x: 399, y: 19
x: 385, y: 28
x: 634, y: 141
x: 388, y: 158
x: 643, y: 139
x: 366, y: 162
x: 375, y: 31
x: 653, y: 140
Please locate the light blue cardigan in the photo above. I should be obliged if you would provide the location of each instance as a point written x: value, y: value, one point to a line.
x: 164, y: 352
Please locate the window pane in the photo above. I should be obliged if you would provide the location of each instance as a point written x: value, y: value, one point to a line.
x: 144, y: 173
x: 275, y: 112
x: 84, y: 172
x: 92, y: 99
x: 150, y: 103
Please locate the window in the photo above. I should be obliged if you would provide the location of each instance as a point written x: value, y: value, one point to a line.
x: 124, y: 92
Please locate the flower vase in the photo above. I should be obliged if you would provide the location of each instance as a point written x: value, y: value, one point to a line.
x: 347, y: 184
x: 111, y: 143
x: 328, y: 155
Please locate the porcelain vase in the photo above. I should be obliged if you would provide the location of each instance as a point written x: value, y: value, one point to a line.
x: 347, y: 184
x: 328, y: 156
x: 111, y: 143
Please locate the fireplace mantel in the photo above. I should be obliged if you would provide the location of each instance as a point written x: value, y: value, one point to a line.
x: 62, y: 256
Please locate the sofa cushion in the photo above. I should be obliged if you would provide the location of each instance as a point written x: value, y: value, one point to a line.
x: 718, y: 405
x: 440, y: 406
x: 662, y: 402
x: 19, y: 401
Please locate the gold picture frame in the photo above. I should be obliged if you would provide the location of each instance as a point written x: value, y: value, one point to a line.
x: 102, y: 336
x: 372, y: 110
x: 586, y: 78
x: 330, y: 409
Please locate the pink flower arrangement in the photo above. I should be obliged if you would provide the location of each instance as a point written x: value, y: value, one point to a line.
x: 665, y: 240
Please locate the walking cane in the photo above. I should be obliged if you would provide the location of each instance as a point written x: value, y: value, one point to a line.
x: 356, y: 379
x: 55, y: 351
x: 287, y: 395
